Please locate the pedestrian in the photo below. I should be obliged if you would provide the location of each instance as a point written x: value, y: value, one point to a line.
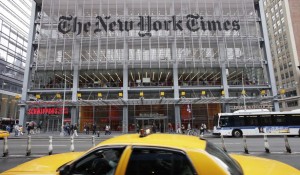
x: 154, y: 128
x: 107, y: 130
x: 202, y: 129
x: 94, y: 126
x: 178, y: 128
x: 28, y: 128
x: 137, y: 128
x: 16, y: 128
x: 75, y: 130
x: 170, y: 127
x: 71, y: 129
x: 20, y: 130
x: 68, y: 129
x: 182, y: 129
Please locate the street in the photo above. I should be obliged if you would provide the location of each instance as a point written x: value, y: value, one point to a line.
x: 40, y: 143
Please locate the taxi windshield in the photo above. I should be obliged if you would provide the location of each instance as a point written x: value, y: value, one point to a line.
x: 224, y: 159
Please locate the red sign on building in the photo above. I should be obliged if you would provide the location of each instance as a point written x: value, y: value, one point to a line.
x: 47, y: 111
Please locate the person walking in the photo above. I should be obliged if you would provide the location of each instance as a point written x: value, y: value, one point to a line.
x: 178, y: 129
x: 16, y: 128
x: 202, y: 129
x: 94, y: 128
x: 107, y: 130
x: 75, y: 130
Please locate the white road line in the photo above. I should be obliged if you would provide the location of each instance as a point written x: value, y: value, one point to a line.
x: 44, y: 145
x: 228, y: 143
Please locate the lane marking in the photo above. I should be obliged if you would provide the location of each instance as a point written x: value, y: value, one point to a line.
x: 44, y: 145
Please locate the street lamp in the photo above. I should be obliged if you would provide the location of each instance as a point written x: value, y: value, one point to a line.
x: 63, y: 110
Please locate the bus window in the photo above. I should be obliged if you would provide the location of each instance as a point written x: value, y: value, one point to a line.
x: 280, y: 120
x: 224, y: 121
x: 265, y: 120
x: 294, y: 119
x: 229, y: 121
x: 251, y: 120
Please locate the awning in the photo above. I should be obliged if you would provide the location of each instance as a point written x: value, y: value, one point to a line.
x: 143, y: 101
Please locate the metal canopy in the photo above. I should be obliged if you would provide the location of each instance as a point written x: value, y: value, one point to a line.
x: 142, y: 101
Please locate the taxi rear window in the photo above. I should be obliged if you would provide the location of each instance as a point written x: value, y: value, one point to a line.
x: 224, y: 159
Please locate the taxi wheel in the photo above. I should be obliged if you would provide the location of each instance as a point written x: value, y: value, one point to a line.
x: 237, y: 133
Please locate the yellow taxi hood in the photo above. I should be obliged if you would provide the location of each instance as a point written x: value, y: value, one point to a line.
x: 44, y: 165
x: 255, y: 165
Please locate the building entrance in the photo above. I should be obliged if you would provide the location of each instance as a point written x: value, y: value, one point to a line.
x: 53, y: 124
x: 158, y: 122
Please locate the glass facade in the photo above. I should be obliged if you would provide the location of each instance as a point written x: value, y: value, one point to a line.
x: 140, y: 62
x: 14, y: 28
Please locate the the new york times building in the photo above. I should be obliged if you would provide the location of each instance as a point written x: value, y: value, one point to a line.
x: 135, y: 63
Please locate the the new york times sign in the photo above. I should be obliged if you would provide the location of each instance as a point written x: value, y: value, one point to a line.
x: 145, y: 25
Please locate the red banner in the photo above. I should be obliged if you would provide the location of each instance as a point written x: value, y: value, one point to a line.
x: 47, y: 111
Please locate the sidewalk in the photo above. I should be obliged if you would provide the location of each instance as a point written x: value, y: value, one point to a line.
x: 57, y: 135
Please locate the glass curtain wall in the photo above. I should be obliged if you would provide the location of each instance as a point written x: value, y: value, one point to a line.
x: 145, y: 39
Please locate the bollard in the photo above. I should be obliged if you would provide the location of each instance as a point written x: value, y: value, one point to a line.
x: 223, y: 144
x: 50, y: 145
x: 287, y: 145
x: 28, y: 150
x: 5, y: 147
x: 72, y: 144
x: 245, y: 145
x: 266, y: 143
x: 93, y: 141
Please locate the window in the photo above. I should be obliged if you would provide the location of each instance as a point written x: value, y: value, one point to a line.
x: 280, y: 120
x: 292, y: 103
x: 265, y: 120
x: 224, y: 159
x: 251, y: 120
x: 102, y: 161
x: 150, y: 161
x: 294, y: 119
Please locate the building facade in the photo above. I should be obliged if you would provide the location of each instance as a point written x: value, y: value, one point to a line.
x: 134, y: 63
x: 14, y: 28
x: 283, y: 20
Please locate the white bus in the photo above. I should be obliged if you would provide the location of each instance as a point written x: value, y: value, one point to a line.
x: 257, y: 122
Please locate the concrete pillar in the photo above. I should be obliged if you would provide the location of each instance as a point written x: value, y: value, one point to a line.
x: 125, y: 88
x: 28, y: 68
x: 268, y: 55
x: 222, y: 54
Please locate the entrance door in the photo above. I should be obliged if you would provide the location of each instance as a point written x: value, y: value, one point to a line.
x: 53, y: 125
x: 160, y: 123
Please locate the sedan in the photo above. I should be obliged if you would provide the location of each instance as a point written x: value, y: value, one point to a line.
x: 153, y: 154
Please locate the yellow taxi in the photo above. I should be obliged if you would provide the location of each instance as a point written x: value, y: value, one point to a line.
x: 154, y: 154
x: 3, y: 134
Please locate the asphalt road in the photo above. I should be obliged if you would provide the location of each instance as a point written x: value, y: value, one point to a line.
x: 40, y: 144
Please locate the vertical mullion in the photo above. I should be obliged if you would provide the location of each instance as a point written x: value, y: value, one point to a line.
x: 55, y: 50
x: 106, y: 47
x: 90, y: 40
x: 115, y: 51
x: 99, y: 38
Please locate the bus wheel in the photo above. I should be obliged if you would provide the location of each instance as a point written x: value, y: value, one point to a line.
x: 237, y: 133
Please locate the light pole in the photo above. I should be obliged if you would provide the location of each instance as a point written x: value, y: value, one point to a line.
x: 63, y: 111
